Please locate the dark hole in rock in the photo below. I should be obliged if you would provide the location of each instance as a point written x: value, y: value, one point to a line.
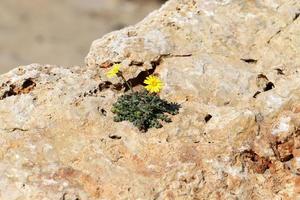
x: 137, y: 63
x: 279, y: 71
x: 262, y: 76
x: 207, y: 117
x: 249, y: 60
x: 103, y: 112
x: 139, y: 80
x: 226, y: 103
x: 256, y: 93
x: 115, y: 137
x: 287, y: 158
x: 296, y: 16
x: 27, y: 83
x: 117, y: 86
x: 9, y: 92
x: 269, y: 86
x: 14, y: 90
x: 104, y: 85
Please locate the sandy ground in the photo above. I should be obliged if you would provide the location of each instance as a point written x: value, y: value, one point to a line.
x: 61, y: 31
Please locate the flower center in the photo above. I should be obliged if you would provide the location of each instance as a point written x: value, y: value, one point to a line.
x: 154, y: 83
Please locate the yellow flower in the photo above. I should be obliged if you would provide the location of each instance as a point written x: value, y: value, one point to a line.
x: 113, y: 72
x: 154, y: 84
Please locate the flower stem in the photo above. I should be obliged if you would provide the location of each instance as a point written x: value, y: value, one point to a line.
x: 126, y: 82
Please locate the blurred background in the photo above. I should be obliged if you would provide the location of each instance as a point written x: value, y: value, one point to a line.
x: 61, y: 31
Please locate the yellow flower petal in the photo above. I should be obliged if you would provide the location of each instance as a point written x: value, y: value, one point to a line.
x: 113, y: 72
x: 154, y: 84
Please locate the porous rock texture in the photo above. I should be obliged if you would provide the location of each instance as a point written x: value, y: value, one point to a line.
x: 232, y: 65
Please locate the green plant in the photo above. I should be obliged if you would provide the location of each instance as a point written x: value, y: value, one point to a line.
x: 144, y: 110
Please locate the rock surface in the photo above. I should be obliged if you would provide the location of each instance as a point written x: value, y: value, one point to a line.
x: 232, y: 65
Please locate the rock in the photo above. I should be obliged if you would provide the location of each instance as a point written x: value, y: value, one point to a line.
x: 233, y: 61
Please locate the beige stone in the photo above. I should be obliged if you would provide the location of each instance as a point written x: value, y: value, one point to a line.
x: 235, y: 60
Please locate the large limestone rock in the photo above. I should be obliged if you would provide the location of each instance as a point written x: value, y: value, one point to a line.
x: 232, y: 65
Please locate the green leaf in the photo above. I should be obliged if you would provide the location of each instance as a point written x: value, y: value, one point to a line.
x: 144, y: 110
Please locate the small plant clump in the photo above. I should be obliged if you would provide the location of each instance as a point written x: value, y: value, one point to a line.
x: 144, y: 110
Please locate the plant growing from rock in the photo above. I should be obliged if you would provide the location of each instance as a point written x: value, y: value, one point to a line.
x: 145, y: 109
